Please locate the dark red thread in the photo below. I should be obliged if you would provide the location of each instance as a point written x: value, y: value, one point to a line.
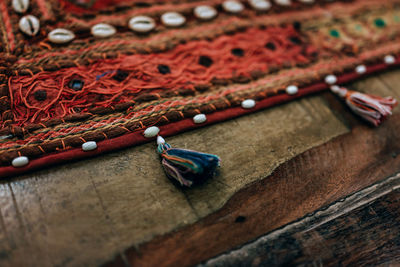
x: 137, y: 75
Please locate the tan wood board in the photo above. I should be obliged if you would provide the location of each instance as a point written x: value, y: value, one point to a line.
x: 298, y: 187
x: 85, y: 213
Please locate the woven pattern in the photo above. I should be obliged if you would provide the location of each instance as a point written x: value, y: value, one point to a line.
x: 56, y: 97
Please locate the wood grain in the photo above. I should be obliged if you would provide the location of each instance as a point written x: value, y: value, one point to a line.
x: 359, y: 230
x: 121, y: 205
x: 301, y: 185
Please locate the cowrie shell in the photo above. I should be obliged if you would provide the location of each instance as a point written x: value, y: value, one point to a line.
x: 292, y: 90
x: 339, y: 90
x: 20, y: 162
x: 89, y: 146
x: 389, y: 59
x: 232, y: 6
x: 331, y: 79
x: 160, y: 140
x: 20, y: 6
x: 260, y: 5
x: 103, y: 30
x: 199, y: 118
x: 61, y: 36
x: 205, y: 12
x: 151, y: 131
x: 141, y: 24
x: 29, y: 25
x: 173, y: 19
x: 361, y: 69
x: 248, y: 103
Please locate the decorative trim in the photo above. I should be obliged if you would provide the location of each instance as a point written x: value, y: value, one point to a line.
x: 137, y: 137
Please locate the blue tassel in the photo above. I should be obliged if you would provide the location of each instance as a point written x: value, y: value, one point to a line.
x: 188, y: 167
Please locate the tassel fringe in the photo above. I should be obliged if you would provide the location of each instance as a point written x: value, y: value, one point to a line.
x: 186, y: 166
x: 373, y: 109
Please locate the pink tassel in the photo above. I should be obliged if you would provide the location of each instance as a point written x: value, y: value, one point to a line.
x: 373, y: 109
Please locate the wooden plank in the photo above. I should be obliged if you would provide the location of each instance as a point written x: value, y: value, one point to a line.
x: 309, y: 181
x: 359, y: 230
x: 105, y: 205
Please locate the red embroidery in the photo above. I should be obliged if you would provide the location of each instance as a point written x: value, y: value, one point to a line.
x: 233, y: 57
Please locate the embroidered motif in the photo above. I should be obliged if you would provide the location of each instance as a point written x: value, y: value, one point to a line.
x: 57, y: 96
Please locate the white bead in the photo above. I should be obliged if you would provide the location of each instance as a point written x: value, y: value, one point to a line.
x: 342, y: 92
x: 151, y: 131
x: 248, y: 103
x: 389, y: 59
x: 330, y: 79
x: 20, y: 6
x: 29, y: 25
x: 335, y: 89
x: 361, y: 69
x: 232, y: 6
x: 261, y: 5
x: 60, y: 36
x: 142, y: 24
x: 339, y: 90
x: 173, y: 19
x: 283, y: 2
x: 205, y: 12
x: 199, y: 118
x: 160, y: 140
x: 20, y: 162
x: 292, y: 89
x: 103, y: 30
x: 88, y: 146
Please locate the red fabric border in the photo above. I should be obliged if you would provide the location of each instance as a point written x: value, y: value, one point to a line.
x: 135, y: 138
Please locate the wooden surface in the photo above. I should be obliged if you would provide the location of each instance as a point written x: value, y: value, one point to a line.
x: 359, y: 230
x: 120, y: 208
x: 299, y: 186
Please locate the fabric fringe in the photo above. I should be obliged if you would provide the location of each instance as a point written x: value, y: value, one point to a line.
x: 188, y: 167
x: 374, y: 109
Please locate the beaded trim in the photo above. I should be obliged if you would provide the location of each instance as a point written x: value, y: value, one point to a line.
x: 56, y: 97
